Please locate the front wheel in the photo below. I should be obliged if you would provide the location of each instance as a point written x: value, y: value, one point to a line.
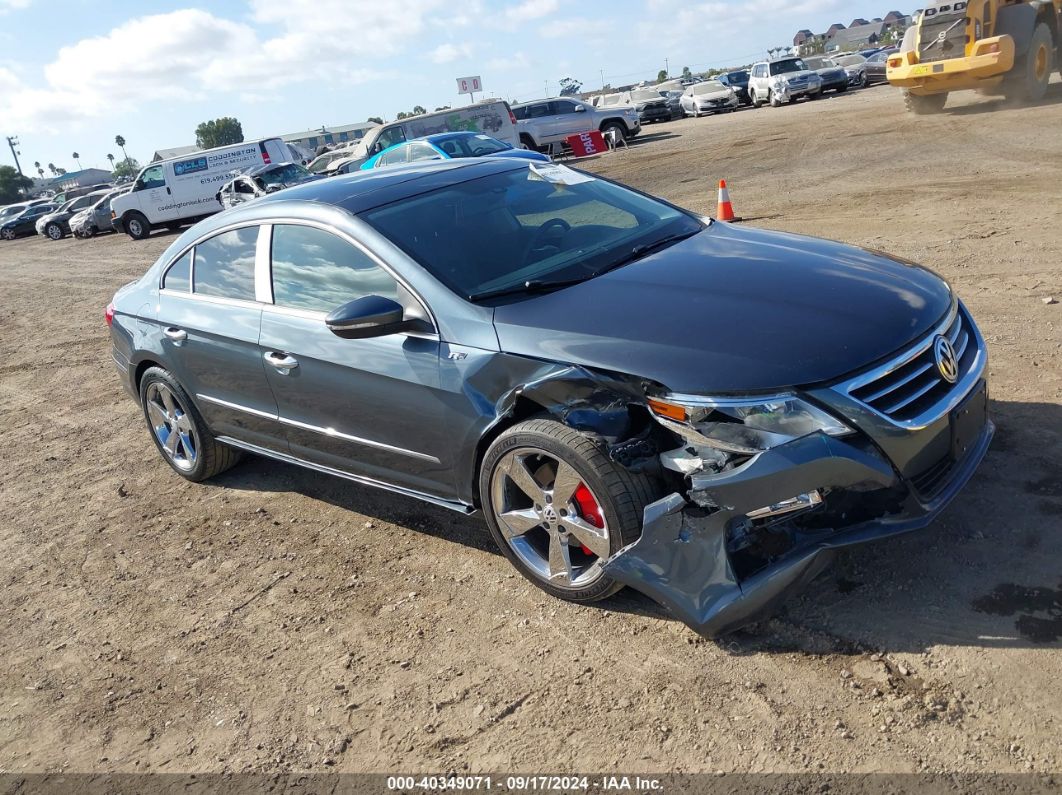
x: 558, y: 507
x: 54, y: 231
x: 772, y: 97
x: 178, y: 430
x: 620, y: 131
x: 8, y: 234
x: 137, y: 226
x: 924, y: 104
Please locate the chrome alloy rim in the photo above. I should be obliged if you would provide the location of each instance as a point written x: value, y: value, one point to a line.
x: 550, y: 518
x: 54, y: 232
x: 172, y: 426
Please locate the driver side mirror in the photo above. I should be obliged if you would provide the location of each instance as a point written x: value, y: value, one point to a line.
x: 368, y: 316
x: 580, y: 108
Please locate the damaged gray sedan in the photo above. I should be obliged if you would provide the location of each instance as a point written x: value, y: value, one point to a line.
x: 632, y: 394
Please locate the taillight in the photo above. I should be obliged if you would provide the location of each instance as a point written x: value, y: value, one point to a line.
x: 512, y: 116
x: 109, y: 314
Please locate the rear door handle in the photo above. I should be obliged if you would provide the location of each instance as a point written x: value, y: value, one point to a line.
x: 176, y: 334
x: 281, y: 361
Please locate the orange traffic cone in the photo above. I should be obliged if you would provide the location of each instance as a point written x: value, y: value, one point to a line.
x: 725, y: 210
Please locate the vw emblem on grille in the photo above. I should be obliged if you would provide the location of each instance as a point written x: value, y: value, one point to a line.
x: 947, y: 363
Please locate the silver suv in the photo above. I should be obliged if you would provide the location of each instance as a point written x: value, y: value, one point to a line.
x: 783, y: 80
x: 548, y: 121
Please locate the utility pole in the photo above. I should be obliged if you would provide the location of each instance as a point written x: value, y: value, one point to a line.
x: 12, y: 141
x: 547, y: 89
x: 667, y: 67
x: 602, y: 73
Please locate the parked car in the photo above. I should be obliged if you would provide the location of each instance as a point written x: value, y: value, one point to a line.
x: 12, y: 210
x: 24, y: 223
x: 56, y: 225
x: 320, y: 164
x: 649, y: 104
x: 875, y: 66
x: 257, y: 181
x: 833, y: 75
x: 548, y: 121
x: 783, y: 80
x: 739, y: 81
x: 557, y: 352
x: 97, y: 218
x: 709, y: 96
x: 449, y: 146
x: 856, y: 68
x: 674, y: 103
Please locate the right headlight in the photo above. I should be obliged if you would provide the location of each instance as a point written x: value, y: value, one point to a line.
x: 744, y: 426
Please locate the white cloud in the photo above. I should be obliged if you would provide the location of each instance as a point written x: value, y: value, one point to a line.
x: 12, y: 5
x: 575, y: 26
x: 511, y: 62
x: 193, y: 53
x: 530, y: 10
x: 448, y: 53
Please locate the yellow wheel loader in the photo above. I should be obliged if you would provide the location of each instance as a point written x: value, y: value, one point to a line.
x: 1005, y: 47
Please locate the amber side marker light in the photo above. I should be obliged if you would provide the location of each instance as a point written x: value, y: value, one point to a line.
x: 669, y: 410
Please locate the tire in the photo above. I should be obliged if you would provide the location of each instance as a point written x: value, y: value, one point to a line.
x: 1028, y: 82
x: 528, y: 142
x: 196, y: 455
x: 924, y: 105
x: 137, y: 226
x: 773, y: 99
x: 8, y: 234
x: 54, y: 232
x: 541, y: 447
x: 619, y: 127
x: 757, y: 103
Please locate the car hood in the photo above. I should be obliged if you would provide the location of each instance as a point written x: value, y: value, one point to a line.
x: 733, y: 310
x: 55, y: 216
x: 720, y: 93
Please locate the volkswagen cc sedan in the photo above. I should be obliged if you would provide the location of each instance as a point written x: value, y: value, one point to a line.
x: 630, y: 393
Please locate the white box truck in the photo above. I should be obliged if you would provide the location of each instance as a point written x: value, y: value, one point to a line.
x: 182, y: 190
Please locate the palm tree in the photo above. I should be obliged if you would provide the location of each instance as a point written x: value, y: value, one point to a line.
x: 37, y: 164
x: 40, y: 170
x: 121, y: 142
x: 111, y: 158
x: 51, y: 167
x: 76, y: 160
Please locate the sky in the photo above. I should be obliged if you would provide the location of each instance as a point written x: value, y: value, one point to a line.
x: 75, y: 73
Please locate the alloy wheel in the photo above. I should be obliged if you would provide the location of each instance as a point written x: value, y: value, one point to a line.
x: 172, y: 426
x: 9, y: 234
x: 54, y: 232
x: 550, y: 518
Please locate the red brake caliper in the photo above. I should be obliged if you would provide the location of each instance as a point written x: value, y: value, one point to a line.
x: 588, y: 509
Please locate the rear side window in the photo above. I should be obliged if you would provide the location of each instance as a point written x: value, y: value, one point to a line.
x: 394, y: 157
x: 179, y: 275
x: 317, y: 271
x: 224, y: 264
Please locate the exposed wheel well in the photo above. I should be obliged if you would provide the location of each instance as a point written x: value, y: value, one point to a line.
x: 142, y: 368
x: 523, y: 409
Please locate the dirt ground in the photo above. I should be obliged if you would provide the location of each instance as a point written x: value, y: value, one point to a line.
x: 278, y: 620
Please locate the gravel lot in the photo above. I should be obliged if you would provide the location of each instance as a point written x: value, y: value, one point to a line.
x: 280, y: 620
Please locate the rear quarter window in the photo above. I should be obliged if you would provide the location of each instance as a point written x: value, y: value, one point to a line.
x: 179, y: 275
x: 224, y: 264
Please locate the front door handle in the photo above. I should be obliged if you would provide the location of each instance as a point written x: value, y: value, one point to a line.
x: 281, y: 361
x: 176, y: 334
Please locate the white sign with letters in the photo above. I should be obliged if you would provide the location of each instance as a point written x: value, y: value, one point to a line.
x: 468, y: 85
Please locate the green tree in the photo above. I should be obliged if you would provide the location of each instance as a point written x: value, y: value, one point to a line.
x: 570, y: 86
x: 418, y: 110
x: 126, y: 168
x: 51, y: 167
x: 443, y: 107
x: 111, y: 158
x: 60, y: 171
x: 219, y: 132
x: 120, y: 141
x: 686, y: 72
x: 11, y: 182
x: 77, y: 159
x: 402, y: 115
x: 661, y: 76
x: 376, y: 119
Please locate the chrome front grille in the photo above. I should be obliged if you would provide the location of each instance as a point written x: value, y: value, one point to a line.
x: 911, y: 389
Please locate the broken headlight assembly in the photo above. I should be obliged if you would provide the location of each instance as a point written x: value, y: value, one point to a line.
x: 744, y: 426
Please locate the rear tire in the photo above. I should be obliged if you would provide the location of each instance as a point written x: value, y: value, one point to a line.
x: 535, y: 446
x: 197, y: 455
x: 1030, y: 79
x: 137, y: 226
x: 924, y: 104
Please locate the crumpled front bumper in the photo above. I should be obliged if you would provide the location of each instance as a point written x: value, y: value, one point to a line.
x: 682, y: 559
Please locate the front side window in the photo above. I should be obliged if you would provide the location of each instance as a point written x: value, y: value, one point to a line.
x: 179, y: 275
x: 224, y: 264
x: 422, y: 151
x: 562, y: 107
x: 394, y: 157
x: 319, y: 272
x: 152, y: 178
x: 389, y: 137
x: 498, y: 232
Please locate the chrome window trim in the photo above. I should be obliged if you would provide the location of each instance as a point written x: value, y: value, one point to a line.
x: 951, y: 399
x: 453, y: 505
x: 263, y: 254
x: 213, y: 299
x: 331, y: 432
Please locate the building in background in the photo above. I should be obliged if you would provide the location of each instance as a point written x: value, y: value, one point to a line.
x: 80, y: 179
x: 329, y: 136
x: 177, y: 151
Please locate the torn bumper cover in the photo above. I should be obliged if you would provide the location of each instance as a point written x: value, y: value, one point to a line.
x: 689, y: 557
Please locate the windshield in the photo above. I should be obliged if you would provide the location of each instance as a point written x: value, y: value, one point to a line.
x: 533, y: 225
x: 283, y: 175
x: 470, y: 145
x: 851, y: 60
x: 785, y: 67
